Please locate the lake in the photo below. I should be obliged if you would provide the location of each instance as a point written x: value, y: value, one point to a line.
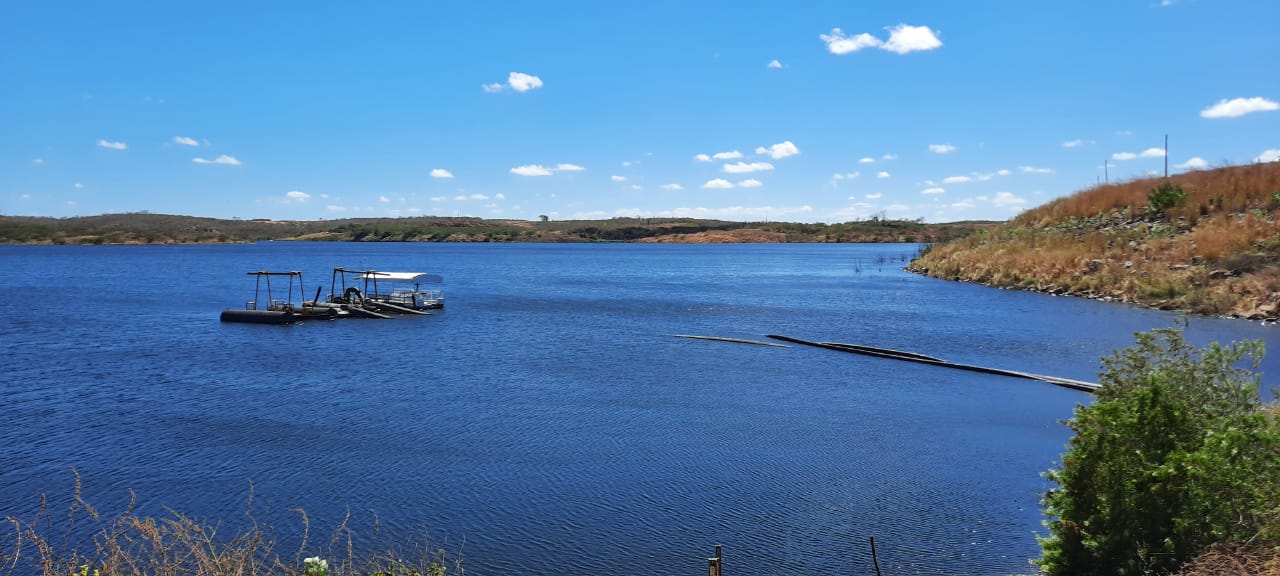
x: 546, y: 422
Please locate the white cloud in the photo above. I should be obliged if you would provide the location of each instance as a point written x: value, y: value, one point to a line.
x: 904, y: 38
x: 1124, y: 132
x: 384, y: 200
x: 672, y: 187
x: 462, y: 197
x: 1007, y: 200
x: 874, y: 196
x: 750, y: 183
x: 223, y: 160
x: 963, y: 204
x: 78, y: 186
x: 184, y: 141
x: 1005, y: 172
x: 441, y: 173
x: 942, y: 148
x: 779, y: 150
x: 569, y: 168
x: 37, y: 161
x: 531, y: 170
x: 1271, y: 155
x: 845, y: 176
x: 1239, y: 107
x: 1195, y: 163
x: 866, y: 160
x: 297, y: 196
x: 882, y: 175
x: 956, y: 179
x: 521, y: 82
x: 743, y: 167
x: 731, y: 155
x: 112, y: 145
x: 933, y: 191
x: 518, y: 81
x: 699, y: 158
x: 335, y: 208
x: 774, y: 64
x: 637, y: 187
x: 438, y: 198
x: 1034, y: 170
x: 1073, y: 143
x: 717, y: 184
x: 500, y: 196
x: 1123, y: 156
x: 839, y: 43
x: 618, y: 178
x: 889, y: 157
x: 1153, y: 153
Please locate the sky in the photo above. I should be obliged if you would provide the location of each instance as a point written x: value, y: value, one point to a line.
x: 821, y: 111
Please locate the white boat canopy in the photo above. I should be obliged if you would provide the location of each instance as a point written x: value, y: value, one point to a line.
x: 417, y: 277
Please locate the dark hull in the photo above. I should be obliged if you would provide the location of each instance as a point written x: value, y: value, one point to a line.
x: 259, y: 316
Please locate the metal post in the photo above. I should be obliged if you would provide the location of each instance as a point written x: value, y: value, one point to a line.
x: 713, y: 564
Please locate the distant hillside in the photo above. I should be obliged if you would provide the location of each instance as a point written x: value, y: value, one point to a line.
x: 145, y: 228
x: 1204, y: 241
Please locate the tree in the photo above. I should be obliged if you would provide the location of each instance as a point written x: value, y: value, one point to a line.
x: 1176, y: 453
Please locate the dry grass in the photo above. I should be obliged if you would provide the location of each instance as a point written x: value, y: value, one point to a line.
x: 85, y: 543
x: 1217, y: 253
x: 1234, y: 560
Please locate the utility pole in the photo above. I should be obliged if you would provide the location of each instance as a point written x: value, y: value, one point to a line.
x: 1166, y: 156
x: 1106, y: 178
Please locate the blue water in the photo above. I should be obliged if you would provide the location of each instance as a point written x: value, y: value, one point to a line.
x: 546, y: 418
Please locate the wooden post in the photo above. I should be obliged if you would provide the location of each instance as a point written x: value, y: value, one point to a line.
x: 713, y: 564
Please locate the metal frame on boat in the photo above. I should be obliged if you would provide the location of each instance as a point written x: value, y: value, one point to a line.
x: 404, y: 289
x: 364, y: 298
x: 278, y: 311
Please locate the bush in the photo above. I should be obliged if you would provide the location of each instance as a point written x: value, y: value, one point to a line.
x: 1165, y: 196
x: 1176, y: 453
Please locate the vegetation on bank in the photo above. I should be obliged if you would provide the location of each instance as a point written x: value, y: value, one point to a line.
x: 145, y: 228
x: 1205, y: 241
x: 1176, y: 460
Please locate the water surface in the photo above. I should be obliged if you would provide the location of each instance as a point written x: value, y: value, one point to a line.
x: 546, y: 417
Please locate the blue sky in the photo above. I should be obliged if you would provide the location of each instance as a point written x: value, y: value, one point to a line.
x: 791, y: 111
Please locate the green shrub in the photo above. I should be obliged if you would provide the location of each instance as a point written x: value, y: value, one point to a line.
x: 1165, y: 196
x: 1176, y: 453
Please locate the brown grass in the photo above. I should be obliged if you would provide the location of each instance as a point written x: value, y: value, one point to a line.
x: 87, y: 543
x: 1234, y: 560
x: 1218, y: 253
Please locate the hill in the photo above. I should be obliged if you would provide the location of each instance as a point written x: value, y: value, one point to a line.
x: 1205, y: 241
x: 146, y: 228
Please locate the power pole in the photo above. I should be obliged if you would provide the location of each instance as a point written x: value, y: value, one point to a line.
x: 1166, y: 156
x: 1106, y: 178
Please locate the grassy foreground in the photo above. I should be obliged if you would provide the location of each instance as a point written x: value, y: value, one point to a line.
x: 1206, y: 241
x: 84, y: 542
